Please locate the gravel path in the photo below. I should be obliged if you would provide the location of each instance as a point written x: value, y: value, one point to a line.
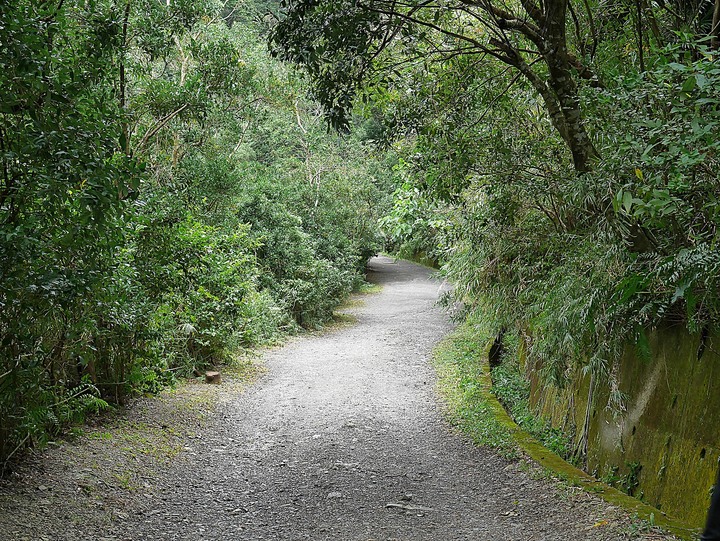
x: 342, y: 440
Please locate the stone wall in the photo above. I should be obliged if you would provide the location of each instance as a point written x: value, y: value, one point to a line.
x: 665, y: 445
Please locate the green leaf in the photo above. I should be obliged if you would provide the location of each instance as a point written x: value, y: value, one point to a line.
x: 627, y: 201
x: 690, y: 84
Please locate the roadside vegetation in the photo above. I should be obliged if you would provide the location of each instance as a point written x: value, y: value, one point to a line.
x: 465, y: 381
x: 169, y: 195
x: 460, y: 360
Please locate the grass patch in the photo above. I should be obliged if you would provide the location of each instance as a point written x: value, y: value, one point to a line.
x: 355, y: 300
x: 343, y: 319
x: 513, y: 391
x: 136, y: 438
x: 340, y: 318
x: 367, y: 288
x: 246, y: 367
x: 463, y: 384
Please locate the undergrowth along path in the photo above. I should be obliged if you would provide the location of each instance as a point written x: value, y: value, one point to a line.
x: 343, y: 439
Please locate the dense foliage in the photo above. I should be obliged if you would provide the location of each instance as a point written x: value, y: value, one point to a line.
x: 559, y: 157
x: 168, y: 195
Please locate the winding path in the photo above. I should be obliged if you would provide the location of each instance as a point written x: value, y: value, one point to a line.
x: 344, y: 440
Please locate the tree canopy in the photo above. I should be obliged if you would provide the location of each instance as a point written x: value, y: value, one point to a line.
x: 553, y: 45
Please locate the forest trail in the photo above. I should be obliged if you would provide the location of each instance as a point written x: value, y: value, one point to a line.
x: 343, y: 439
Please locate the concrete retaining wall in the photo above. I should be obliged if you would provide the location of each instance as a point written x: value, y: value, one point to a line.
x: 665, y: 445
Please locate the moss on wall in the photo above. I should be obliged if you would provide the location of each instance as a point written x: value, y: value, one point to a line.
x: 664, y: 445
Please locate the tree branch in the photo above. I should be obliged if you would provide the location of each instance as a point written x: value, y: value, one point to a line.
x: 715, y: 30
x: 160, y: 124
x: 505, y: 19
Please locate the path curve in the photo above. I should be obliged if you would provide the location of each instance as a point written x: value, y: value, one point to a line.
x: 344, y: 424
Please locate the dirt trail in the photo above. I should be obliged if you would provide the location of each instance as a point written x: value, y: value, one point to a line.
x: 343, y: 439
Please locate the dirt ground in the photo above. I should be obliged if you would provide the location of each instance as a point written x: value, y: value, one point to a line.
x: 341, y: 439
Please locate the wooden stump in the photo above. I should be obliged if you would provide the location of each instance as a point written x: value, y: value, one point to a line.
x: 213, y: 377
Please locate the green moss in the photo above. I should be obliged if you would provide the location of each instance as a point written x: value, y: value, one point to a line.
x: 100, y: 435
x: 125, y: 481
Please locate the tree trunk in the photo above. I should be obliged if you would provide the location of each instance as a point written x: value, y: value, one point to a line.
x: 577, y: 138
x: 563, y: 86
x: 125, y: 142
